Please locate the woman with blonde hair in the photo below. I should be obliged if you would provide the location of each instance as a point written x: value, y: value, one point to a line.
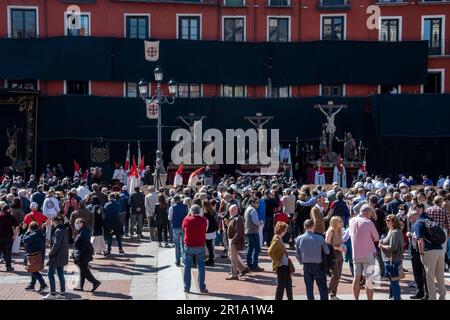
x: 281, y: 263
x: 392, y: 249
x: 333, y: 237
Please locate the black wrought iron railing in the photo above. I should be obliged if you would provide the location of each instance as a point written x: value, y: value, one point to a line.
x: 279, y: 3
x: 333, y: 4
x: 439, y: 48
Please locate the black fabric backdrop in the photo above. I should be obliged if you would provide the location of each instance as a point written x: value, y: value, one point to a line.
x: 124, y: 119
x: 188, y: 61
x: 338, y: 62
x: 60, y: 58
x: 216, y: 62
x: 409, y: 115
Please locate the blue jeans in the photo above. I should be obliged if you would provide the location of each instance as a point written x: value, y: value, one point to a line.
x: 51, y: 279
x: 253, y: 250
x: 199, y: 254
x: 392, y: 271
x: 314, y: 271
x: 349, y: 255
x: 179, y: 243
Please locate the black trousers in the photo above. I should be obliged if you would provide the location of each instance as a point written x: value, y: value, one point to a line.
x: 419, y: 272
x: 284, y: 283
x: 210, y: 246
x: 6, y: 248
x: 268, y: 230
x: 162, y: 229
x: 85, y: 274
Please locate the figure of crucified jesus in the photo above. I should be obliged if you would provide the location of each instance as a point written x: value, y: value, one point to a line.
x: 330, y: 126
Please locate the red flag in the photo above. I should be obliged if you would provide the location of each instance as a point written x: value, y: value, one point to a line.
x: 141, y: 165
x: 133, y: 169
x: 178, y: 180
x: 117, y: 165
x: 180, y: 169
x: 193, y: 178
x: 76, y: 165
x: 127, y: 159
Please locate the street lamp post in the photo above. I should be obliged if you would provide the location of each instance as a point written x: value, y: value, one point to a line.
x: 160, y: 99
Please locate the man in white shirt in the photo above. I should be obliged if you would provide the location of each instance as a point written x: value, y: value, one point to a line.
x: 50, y: 209
x: 368, y: 185
x: 151, y: 199
x: 83, y: 191
x: 288, y: 201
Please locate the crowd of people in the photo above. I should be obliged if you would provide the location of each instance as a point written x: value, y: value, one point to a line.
x: 371, y: 226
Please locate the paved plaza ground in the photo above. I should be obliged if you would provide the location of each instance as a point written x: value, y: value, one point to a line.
x: 148, y: 272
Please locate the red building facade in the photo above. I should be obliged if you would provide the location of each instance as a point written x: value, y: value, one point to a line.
x: 238, y: 20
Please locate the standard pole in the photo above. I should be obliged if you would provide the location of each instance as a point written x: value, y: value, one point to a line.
x: 159, y: 126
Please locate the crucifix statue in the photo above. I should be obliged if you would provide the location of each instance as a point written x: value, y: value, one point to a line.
x: 190, y: 120
x: 330, y: 127
x: 258, y: 121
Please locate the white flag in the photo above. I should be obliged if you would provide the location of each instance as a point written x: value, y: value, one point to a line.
x: 151, y: 50
x: 152, y: 109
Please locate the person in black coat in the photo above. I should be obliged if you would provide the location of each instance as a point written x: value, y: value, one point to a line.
x: 82, y: 254
x: 58, y: 257
x: 97, y: 211
x: 34, y: 240
x: 162, y: 219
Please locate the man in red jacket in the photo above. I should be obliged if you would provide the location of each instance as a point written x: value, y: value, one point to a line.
x: 194, y: 227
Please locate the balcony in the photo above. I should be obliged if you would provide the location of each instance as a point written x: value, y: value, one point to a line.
x: 439, y: 50
x: 234, y: 3
x: 333, y: 5
x: 433, y: 2
x: 279, y: 3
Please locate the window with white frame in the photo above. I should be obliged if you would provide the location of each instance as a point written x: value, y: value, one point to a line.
x: 434, y: 82
x: 77, y: 87
x: 390, y: 29
x: 279, y: 3
x: 333, y: 28
x: 432, y: 32
x: 23, y: 23
x: 189, y: 27
x: 78, y: 24
x: 136, y: 27
x: 278, y: 29
x: 230, y: 91
x: 332, y: 90
x: 279, y: 92
x: 189, y: 90
x: 22, y: 84
x: 233, y: 29
x: 389, y: 89
x: 132, y: 90
x: 234, y: 3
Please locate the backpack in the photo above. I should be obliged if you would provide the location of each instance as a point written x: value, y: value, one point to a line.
x: 437, y: 235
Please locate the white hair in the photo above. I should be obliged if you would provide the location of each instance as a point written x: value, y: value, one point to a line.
x: 22, y: 193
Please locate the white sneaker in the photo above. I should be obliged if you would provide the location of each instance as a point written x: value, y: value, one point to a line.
x: 334, y: 298
x: 61, y: 296
x: 50, y: 296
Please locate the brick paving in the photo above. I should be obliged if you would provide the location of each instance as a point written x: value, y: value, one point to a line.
x: 148, y: 272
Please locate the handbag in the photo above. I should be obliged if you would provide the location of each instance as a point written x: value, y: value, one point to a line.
x: 35, y: 262
x: 401, y: 272
x: 291, y: 266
